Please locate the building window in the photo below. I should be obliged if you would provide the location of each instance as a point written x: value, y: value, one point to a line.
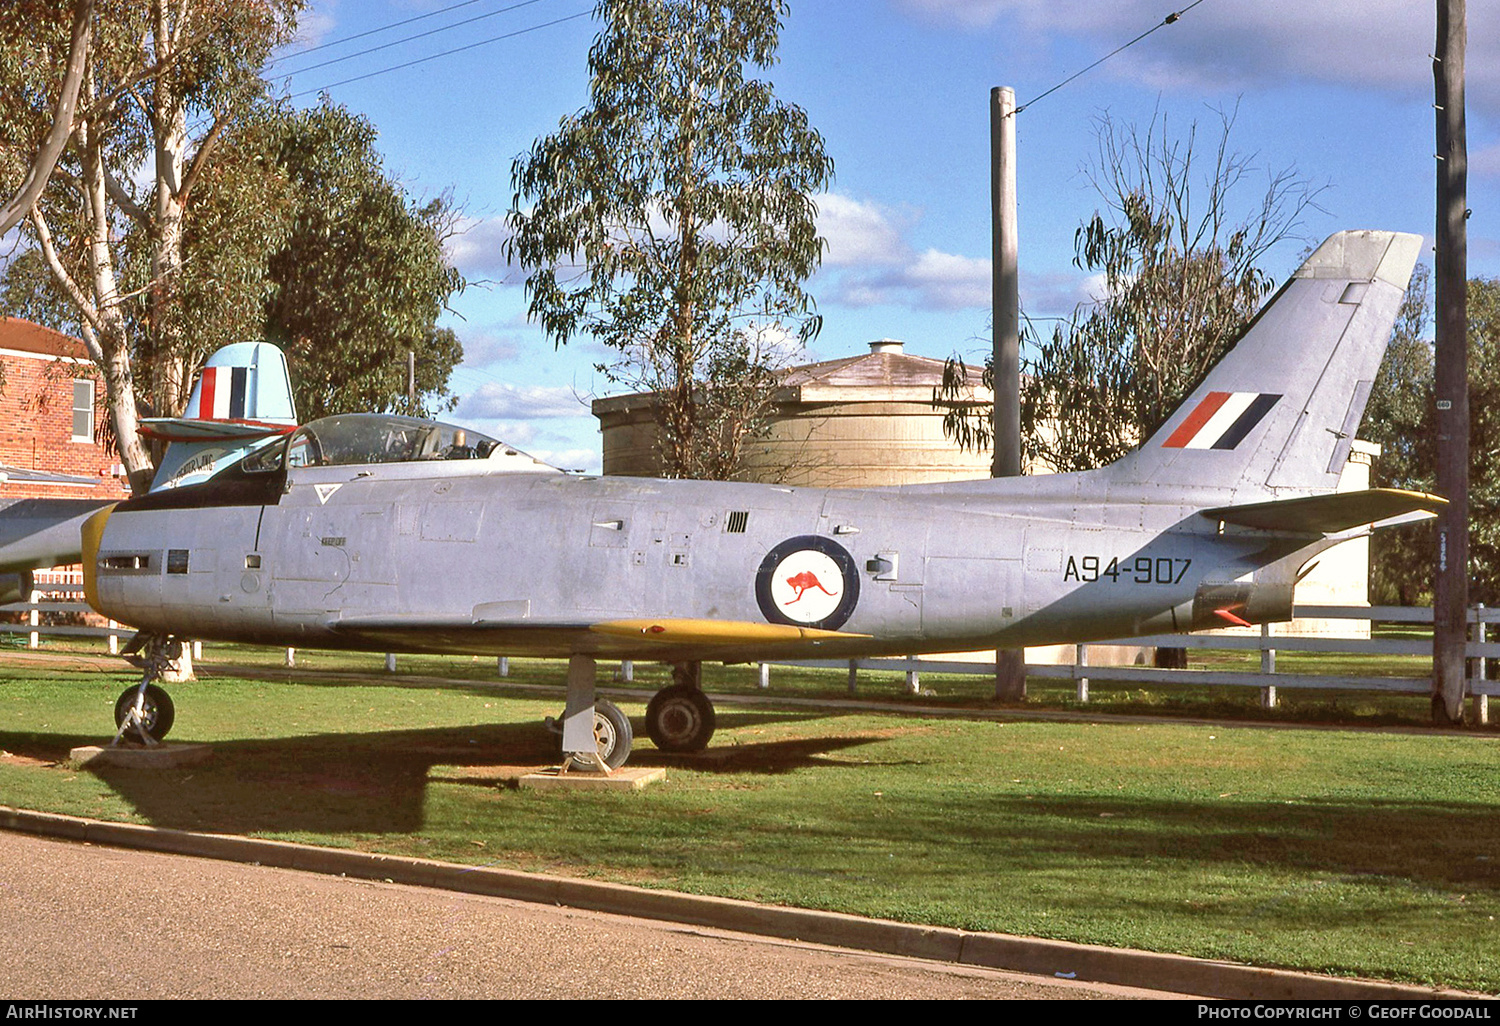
x: 83, y: 410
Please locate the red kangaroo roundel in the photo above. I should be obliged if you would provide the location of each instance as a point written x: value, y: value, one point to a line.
x: 810, y: 581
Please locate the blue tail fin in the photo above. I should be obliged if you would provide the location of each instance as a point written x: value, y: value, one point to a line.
x: 243, y: 395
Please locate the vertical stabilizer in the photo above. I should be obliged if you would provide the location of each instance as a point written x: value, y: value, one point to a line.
x: 1277, y: 415
x: 242, y: 395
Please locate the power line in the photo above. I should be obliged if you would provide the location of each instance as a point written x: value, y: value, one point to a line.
x: 445, y: 53
x: 410, y: 38
x: 373, y: 31
x: 1168, y: 20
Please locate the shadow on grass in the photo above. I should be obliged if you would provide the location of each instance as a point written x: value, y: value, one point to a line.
x: 370, y: 782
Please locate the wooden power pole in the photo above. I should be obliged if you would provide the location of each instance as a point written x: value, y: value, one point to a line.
x: 1450, y: 274
x: 1010, y: 664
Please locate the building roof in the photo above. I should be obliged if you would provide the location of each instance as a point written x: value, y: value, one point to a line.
x: 887, y: 373
x: 27, y: 337
x: 27, y: 476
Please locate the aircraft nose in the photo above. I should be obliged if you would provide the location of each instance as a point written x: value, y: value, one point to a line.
x: 93, y: 533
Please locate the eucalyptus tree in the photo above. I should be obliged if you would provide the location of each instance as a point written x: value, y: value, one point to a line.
x: 162, y: 82
x: 671, y: 220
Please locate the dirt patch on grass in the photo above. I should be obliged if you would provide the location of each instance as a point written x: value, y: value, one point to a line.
x: 12, y: 759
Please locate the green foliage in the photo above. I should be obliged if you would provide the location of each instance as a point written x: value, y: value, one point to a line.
x: 241, y: 215
x: 1180, y: 279
x: 1400, y: 419
x: 362, y: 277
x: 671, y: 219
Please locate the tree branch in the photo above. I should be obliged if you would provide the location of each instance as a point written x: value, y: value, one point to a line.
x: 60, y: 273
x: 62, y: 121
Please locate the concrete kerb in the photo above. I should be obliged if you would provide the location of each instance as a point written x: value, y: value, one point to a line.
x: 1175, y: 973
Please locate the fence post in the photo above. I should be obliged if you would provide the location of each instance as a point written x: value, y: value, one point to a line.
x: 1481, y: 702
x: 1081, y: 660
x: 765, y: 676
x: 913, y: 678
x: 853, y: 675
x: 114, y: 640
x: 1267, y: 665
x: 627, y: 670
x: 291, y: 658
x: 502, y: 665
x: 390, y: 662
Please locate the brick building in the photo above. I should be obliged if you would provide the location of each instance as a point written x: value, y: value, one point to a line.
x: 53, y: 430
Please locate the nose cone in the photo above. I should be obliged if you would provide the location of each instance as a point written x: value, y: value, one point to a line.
x: 93, y: 533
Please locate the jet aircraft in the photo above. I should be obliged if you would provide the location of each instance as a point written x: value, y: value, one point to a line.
x: 388, y: 533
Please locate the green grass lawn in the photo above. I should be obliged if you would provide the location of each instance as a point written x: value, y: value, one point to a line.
x: 1355, y: 852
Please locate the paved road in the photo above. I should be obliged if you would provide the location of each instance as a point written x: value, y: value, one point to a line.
x: 85, y: 922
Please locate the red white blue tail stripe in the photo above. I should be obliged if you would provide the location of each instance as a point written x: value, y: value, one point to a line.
x: 221, y: 394
x: 1221, y: 420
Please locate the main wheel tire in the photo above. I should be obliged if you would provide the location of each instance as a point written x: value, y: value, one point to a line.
x: 680, y: 719
x: 157, y: 713
x: 612, y: 733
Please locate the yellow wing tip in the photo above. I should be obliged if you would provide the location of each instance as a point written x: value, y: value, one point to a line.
x: 690, y: 631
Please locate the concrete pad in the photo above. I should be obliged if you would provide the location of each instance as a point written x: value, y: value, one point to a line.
x: 131, y: 756
x: 629, y: 779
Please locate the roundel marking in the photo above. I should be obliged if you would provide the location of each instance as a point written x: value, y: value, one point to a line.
x: 809, y: 581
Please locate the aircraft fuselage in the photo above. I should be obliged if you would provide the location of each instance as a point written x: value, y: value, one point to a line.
x: 455, y: 557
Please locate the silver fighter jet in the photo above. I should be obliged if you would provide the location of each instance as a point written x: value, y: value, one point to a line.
x: 393, y: 534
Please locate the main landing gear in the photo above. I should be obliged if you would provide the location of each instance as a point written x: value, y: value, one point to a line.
x: 680, y: 718
x: 595, y: 733
x: 144, y: 712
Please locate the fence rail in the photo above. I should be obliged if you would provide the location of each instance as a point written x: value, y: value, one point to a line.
x: 1268, y: 678
x: 48, y: 598
x: 45, y: 598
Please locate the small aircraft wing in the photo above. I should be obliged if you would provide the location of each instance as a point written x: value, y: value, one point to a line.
x: 1330, y: 514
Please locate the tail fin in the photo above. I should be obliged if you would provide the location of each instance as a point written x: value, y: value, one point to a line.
x: 244, y: 394
x: 1278, y: 414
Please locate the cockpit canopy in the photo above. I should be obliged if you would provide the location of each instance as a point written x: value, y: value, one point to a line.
x: 364, y: 438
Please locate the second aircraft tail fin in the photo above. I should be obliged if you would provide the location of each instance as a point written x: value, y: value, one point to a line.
x: 243, y: 394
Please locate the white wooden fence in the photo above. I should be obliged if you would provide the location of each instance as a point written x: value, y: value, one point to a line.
x: 1267, y: 678
x: 60, y: 595
x: 65, y: 596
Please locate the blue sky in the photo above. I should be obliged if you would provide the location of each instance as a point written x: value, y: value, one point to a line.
x: 1340, y: 91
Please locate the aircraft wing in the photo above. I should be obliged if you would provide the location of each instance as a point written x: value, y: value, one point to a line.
x: 663, y: 637
x: 1330, y: 514
x: 40, y: 533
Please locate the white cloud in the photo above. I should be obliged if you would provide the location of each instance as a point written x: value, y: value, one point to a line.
x: 494, y: 401
x: 860, y: 233
x: 487, y: 345
x: 590, y: 461
x: 776, y: 345
x: 931, y: 280
x: 1379, y: 43
x: 871, y: 262
x: 477, y: 248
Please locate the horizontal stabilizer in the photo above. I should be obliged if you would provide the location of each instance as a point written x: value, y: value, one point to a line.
x: 1328, y: 514
x: 190, y: 429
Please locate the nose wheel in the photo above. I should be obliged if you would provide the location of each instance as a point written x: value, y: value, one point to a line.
x: 144, y: 714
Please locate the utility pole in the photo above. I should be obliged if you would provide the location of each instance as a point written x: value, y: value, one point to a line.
x: 1450, y: 274
x: 411, y: 383
x: 1010, y: 664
